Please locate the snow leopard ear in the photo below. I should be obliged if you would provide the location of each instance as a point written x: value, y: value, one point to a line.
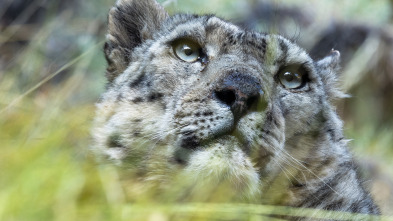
x: 130, y: 22
x: 329, y: 69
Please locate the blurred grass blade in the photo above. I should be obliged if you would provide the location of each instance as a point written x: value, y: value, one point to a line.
x: 46, y: 79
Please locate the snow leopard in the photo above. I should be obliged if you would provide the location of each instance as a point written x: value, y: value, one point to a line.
x: 201, y: 101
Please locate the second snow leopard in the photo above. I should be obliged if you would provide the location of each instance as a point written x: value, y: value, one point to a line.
x: 201, y: 100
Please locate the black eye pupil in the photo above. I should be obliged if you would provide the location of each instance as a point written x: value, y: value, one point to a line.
x: 289, y: 76
x: 187, y: 51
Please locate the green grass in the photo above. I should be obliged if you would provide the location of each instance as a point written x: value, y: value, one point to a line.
x: 46, y: 108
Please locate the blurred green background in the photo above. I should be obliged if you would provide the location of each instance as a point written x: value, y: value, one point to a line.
x: 52, y: 72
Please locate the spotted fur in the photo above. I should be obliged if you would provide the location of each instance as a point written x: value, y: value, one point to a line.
x: 227, y: 119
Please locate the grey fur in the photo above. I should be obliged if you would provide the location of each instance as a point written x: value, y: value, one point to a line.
x: 284, y: 148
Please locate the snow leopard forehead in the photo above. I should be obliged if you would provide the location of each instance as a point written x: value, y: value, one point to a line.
x: 220, y: 37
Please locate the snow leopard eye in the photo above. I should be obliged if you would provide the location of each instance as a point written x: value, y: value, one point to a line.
x: 292, y: 78
x: 187, y: 50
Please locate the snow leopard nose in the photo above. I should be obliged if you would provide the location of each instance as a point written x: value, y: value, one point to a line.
x: 239, y: 92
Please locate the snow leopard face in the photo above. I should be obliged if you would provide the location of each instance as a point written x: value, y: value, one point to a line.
x: 199, y: 97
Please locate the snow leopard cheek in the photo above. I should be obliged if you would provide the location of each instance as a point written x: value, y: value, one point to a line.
x: 299, y: 121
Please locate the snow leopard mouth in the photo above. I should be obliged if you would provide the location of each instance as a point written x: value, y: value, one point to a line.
x: 190, y: 144
x: 190, y: 140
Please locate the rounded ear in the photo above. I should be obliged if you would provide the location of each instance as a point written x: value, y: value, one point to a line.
x: 329, y: 69
x: 130, y: 22
x: 331, y: 61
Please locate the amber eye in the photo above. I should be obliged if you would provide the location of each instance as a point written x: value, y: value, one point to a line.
x: 187, y: 50
x: 290, y: 79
